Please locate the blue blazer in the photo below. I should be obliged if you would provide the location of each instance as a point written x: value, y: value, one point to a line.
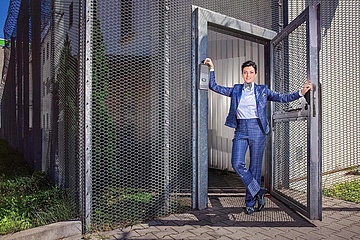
x: 262, y: 94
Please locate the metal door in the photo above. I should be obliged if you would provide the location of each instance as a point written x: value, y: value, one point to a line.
x: 296, y: 127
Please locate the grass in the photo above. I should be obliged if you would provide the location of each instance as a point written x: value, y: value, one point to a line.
x: 348, y: 191
x: 27, y: 199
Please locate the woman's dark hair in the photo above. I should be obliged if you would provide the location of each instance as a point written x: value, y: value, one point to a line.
x: 249, y: 64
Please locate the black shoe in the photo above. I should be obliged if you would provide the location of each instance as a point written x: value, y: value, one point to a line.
x: 261, y: 198
x: 249, y: 210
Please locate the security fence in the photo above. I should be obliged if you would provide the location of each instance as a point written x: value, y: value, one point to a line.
x: 339, y: 66
x: 98, y: 94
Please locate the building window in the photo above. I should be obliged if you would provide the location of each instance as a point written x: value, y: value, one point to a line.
x: 71, y: 14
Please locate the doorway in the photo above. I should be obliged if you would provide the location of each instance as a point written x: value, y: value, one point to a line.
x: 228, y: 50
x: 208, y: 25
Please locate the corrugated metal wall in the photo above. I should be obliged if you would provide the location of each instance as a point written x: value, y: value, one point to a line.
x: 228, y: 53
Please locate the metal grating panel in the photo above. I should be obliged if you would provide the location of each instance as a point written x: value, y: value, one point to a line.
x: 291, y: 171
x: 140, y: 161
x: 141, y: 108
x: 263, y: 13
x: 121, y: 141
x: 339, y: 62
x: 290, y: 159
x: 290, y: 54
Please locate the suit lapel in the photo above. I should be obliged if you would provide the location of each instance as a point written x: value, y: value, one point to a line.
x: 238, y: 95
x: 257, y: 94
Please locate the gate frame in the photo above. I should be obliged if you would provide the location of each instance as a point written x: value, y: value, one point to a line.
x: 201, y: 19
x: 313, y: 210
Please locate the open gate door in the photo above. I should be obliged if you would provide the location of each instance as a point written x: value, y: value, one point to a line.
x: 296, y: 126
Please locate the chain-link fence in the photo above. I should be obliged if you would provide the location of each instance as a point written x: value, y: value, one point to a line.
x: 98, y: 95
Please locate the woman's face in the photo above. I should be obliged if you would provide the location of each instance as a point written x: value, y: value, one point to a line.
x: 249, y: 74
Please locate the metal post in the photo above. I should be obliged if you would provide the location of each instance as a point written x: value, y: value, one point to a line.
x: 166, y: 106
x: 314, y: 145
x: 87, y: 65
x: 200, y: 111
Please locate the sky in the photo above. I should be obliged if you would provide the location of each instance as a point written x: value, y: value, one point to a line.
x: 3, y: 13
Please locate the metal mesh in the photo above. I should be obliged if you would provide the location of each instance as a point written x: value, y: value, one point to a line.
x: 290, y: 137
x: 339, y: 62
x: 259, y: 12
x: 40, y: 91
x: 290, y: 55
x: 138, y: 163
x: 290, y: 159
x: 126, y: 154
x: 139, y: 140
x: 141, y: 163
x: 60, y: 108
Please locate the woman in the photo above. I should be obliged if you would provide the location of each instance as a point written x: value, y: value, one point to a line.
x: 247, y: 114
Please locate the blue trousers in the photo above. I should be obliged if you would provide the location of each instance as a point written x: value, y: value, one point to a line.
x: 248, y: 134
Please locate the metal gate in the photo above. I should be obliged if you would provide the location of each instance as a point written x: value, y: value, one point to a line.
x: 296, y: 127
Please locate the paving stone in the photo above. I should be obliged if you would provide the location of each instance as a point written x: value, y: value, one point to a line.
x: 166, y: 233
x: 183, y: 235
x: 345, y: 234
x: 225, y: 238
x: 326, y: 232
x: 271, y: 232
x: 223, y: 232
x: 121, y: 235
x: 345, y: 222
x: 314, y: 235
x: 355, y: 218
x: 199, y: 231
x: 294, y: 233
x: 258, y: 236
x: 334, y: 226
x: 355, y: 228
x: 275, y: 222
x: 281, y: 237
x: 238, y: 235
x: 182, y: 229
x: 231, y: 229
x: 206, y: 236
x: 143, y: 232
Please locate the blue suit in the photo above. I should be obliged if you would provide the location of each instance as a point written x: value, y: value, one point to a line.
x: 249, y: 133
